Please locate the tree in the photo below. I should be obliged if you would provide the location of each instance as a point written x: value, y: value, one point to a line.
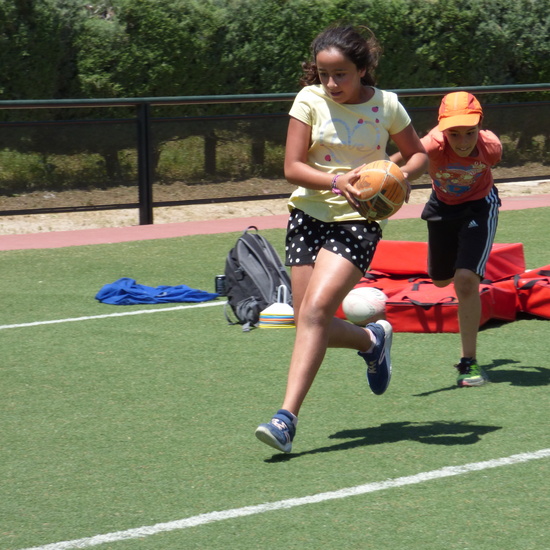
x: 37, y: 52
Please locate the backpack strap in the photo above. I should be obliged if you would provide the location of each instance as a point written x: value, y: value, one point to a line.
x: 226, y: 310
x: 242, y: 306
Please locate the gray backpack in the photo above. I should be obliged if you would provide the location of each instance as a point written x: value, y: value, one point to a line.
x: 253, y: 274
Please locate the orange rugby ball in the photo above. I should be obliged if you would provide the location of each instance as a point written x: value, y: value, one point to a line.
x: 383, y: 190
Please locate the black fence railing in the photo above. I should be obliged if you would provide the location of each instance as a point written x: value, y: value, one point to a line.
x: 143, y: 133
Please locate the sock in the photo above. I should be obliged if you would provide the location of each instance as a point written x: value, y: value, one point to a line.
x: 374, y: 341
x: 291, y: 417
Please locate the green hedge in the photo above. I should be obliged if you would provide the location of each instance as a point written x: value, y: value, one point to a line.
x: 55, y: 49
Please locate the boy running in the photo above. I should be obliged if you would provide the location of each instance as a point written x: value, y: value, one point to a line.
x: 462, y: 214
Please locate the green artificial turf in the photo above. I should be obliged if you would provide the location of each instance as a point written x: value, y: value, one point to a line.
x: 110, y: 423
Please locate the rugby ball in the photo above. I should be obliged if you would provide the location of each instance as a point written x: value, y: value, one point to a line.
x: 364, y: 305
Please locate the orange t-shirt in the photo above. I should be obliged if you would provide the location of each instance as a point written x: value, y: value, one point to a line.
x: 459, y: 179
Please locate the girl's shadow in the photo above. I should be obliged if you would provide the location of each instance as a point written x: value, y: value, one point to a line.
x: 429, y: 433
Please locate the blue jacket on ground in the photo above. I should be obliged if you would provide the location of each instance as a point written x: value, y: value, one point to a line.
x: 126, y: 292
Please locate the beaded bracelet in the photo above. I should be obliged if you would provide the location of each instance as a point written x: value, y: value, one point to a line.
x: 333, y: 187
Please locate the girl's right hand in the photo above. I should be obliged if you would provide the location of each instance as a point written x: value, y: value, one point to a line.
x: 348, y: 188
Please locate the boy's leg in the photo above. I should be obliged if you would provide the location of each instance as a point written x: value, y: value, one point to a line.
x: 446, y: 249
x: 469, y: 309
x: 469, y: 314
x: 476, y: 240
x: 442, y: 250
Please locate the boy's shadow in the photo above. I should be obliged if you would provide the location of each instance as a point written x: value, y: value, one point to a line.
x: 429, y: 433
x: 521, y: 376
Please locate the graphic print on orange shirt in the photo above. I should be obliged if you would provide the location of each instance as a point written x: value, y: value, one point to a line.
x: 458, y: 179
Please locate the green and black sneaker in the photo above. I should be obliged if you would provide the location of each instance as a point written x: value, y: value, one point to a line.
x: 470, y: 373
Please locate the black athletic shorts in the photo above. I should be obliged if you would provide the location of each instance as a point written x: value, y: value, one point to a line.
x: 460, y: 236
x: 356, y: 241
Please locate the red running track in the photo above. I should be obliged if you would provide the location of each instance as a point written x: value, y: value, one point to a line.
x: 108, y: 235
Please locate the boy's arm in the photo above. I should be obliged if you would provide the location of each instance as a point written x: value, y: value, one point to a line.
x: 397, y: 158
x: 400, y: 160
x: 412, y: 155
x: 414, y: 160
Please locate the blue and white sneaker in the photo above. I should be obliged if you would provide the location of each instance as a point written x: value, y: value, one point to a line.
x: 280, y: 432
x: 378, y: 361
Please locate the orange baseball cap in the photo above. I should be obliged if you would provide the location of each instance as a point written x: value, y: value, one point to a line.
x: 459, y: 109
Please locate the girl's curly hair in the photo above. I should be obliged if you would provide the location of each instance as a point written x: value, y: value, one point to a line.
x: 358, y: 44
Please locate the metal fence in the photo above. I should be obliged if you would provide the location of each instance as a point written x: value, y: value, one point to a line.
x: 54, y: 145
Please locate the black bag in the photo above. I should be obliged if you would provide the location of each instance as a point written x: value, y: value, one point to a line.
x: 253, y: 274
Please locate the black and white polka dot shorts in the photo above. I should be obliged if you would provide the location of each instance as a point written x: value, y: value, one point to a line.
x: 356, y: 241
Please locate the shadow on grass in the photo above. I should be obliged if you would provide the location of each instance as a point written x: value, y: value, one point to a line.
x: 429, y: 433
x: 520, y: 376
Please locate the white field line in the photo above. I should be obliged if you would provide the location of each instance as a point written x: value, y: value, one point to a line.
x: 106, y: 316
x: 212, y: 517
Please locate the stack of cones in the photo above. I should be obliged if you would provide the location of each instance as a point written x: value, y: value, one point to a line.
x: 279, y: 314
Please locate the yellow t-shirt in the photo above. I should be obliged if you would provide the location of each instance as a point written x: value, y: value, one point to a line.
x: 343, y: 136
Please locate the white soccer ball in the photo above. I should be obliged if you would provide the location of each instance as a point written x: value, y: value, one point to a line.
x: 364, y: 305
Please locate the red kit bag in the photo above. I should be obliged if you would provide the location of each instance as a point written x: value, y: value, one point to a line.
x: 531, y: 297
x: 501, y: 302
x: 388, y: 284
x: 537, y: 273
x: 401, y: 258
x: 398, y: 266
x: 534, y: 296
x: 411, y: 258
x: 505, y: 260
x: 423, y: 307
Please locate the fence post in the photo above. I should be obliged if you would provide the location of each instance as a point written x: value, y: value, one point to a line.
x: 145, y: 164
